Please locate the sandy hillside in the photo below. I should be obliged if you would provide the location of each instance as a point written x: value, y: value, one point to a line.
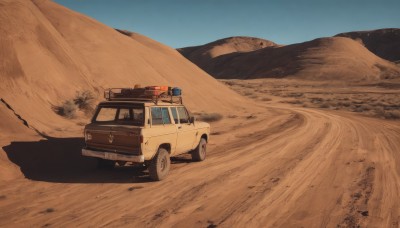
x: 51, y: 52
x: 202, y: 55
x: 384, y: 43
x: 325, y: 58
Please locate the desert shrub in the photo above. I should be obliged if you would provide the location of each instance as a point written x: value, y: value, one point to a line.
x: 295, y: 94
x: 362, y: 108
x: 358, y: 102
x: 275, y: 93
x: 229, y: 83
x: 249, y: 86
x: 346, y: 104
x: 266, y: 99
x: 316, y: 100
x: 293, y: 102
x: 247, y: 93
x: 67, y: 109
x: 324, y: 105
x: 84, y: 99
x: 391, y: 114
x: 209, y: 117
x: 48, y: 210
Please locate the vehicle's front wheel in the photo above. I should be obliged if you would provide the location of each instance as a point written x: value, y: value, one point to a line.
x: 105, y: 164
x: 199, y: 154
x: 160, y: 165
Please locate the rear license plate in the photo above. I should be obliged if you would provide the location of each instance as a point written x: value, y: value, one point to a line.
x: 109, y: 156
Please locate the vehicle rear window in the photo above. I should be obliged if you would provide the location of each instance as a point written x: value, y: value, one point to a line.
x: 120, y: 115
x: 160, y: 116
x: 106, y: 114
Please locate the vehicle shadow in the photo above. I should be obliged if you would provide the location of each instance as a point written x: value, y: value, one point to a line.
x: 60, y: 160
x: 183, y: 158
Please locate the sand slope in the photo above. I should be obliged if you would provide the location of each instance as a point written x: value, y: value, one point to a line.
x: 12, y: 127
x: 322, y: 59
x: 51, y: 52
x: 384, y: 43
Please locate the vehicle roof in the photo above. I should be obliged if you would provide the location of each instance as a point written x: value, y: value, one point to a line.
x: 145, y: 103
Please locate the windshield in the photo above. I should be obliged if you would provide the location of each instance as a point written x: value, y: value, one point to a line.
x: 120, y: 115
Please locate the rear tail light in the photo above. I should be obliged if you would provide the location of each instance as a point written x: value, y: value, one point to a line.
x: 141, y: 138
x: 88, y: 136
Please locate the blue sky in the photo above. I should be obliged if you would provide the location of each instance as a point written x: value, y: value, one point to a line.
x: 182, y: 23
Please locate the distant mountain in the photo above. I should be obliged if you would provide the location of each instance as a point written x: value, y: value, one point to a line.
x: 384, y: 43
x: 203, y: 55
x: 334, y: 58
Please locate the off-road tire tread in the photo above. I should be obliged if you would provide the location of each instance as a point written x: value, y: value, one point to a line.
x: 196, y: 156
x: 154, y: 175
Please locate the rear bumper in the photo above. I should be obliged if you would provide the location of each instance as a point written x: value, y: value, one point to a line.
x: 112, y: 156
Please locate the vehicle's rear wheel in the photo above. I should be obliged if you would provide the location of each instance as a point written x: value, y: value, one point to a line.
x: 160, y: 165
x: 105, y: 164
x: 199, y: 154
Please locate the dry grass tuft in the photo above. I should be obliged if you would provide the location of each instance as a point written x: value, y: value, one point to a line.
x: 67, y: 109
x: 83, y: 101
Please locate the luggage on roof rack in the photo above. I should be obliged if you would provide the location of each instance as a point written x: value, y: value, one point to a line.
x: 150, y: 93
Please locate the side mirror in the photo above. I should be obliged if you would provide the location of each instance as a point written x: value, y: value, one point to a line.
x: 192, y: 119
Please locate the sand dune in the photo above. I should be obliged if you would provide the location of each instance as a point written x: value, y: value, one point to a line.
x: 322, y: 59
x: 384, y: 43
x: 51, y: 52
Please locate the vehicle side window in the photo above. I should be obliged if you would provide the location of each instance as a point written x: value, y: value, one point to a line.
x: 165, y: 116
x: 183, y: 115
x: 160, y: 116
x: 137, y: 114
x: 175, y: 114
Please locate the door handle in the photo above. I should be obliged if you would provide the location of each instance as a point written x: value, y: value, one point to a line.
x: 179, y: 127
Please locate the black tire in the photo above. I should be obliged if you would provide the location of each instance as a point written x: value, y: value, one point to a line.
x: 105, y: 164
x: 199, y: 154
x: 160, y: 165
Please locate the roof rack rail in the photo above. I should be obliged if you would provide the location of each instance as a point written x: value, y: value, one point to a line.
x: 139, y: 94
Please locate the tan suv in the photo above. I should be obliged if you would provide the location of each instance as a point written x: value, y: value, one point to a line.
x: 143, y: 130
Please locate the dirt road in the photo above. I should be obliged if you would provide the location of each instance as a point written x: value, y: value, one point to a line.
x: 285, y: 167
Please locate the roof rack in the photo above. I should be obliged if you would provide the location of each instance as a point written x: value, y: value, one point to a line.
x: 139, y: 94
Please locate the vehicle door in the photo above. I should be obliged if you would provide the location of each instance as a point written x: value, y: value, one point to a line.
x: 162, y: 130
x: 186, y: 132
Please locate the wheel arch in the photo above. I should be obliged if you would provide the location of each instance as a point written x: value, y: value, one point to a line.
x: 166, y: 146
x: 204, y: 136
